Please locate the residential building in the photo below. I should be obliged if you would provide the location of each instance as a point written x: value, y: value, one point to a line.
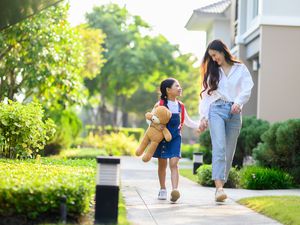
x: 265, y: 35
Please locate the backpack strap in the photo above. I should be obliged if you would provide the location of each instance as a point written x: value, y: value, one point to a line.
x: 161, y: 102
x: 182, y: 109
x: 182, y: 113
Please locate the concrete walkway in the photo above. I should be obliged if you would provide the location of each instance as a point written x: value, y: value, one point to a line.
x: 139, y: 186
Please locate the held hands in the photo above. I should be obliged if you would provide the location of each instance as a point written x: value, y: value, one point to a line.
x: 235, y: 108
x: 203, y: 125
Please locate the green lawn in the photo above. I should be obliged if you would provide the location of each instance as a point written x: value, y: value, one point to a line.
x: 188, y: 173
x: 284, y: 209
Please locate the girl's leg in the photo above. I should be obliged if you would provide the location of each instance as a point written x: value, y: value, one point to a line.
x: 173, y: 163
x: 162, y: 166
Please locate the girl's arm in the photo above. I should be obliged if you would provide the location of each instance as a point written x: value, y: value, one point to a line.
x: 189, y: 122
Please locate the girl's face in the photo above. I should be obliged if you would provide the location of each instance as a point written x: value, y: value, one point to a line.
x: 217, y: 56
x: 175, y: 90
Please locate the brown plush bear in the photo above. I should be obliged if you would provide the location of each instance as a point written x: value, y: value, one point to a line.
x: 156, y: 132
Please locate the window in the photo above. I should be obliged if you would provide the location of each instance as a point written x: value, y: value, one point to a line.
x: 255, y: 8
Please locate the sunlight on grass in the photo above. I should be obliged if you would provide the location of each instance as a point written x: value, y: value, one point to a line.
x: 122, y: 216
x: 188, y: 173
x: 285, y: 209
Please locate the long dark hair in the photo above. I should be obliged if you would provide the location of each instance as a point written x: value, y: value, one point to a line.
x: 210, y: 68
x: 167, y: 83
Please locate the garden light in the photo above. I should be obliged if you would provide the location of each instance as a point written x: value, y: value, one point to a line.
x: 197, y: 161
x: 107, y: 190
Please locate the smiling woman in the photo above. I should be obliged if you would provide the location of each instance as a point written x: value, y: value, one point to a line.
x: 13, y: 11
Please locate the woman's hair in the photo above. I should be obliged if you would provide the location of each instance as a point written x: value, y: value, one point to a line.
x: 167, y: 83
x: 210, y: 68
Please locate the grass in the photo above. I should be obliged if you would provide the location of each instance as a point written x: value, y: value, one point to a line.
x: 284, y: 209
x: 188, y: 173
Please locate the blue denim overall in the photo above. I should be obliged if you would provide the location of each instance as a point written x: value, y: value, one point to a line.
x: 171, y: 149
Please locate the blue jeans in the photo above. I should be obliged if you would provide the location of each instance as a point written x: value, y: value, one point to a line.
x: 224, y: 130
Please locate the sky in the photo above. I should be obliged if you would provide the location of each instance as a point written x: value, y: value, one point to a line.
x: 167, y: 17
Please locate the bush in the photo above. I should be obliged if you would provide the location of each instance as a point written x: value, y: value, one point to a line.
x: 32, y: 189
x: 204, y: 174
x: 187, y: 150
x: 137, y: 133
x: 205, y: 141
x: 23, y: 133
x: 249, y: 137
x: 259, y: 178
x: 281, y: 147
x: 116, y: 144
x: 68, y: 128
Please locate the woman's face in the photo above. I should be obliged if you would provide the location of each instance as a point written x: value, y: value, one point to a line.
x: 217, y: 56
x: 175, y: 90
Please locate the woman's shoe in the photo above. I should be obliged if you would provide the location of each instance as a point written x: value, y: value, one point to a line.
x: 220, y: 195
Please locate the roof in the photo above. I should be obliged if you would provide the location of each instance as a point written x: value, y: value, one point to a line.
x: 217, y: 7
x: 14, y: 11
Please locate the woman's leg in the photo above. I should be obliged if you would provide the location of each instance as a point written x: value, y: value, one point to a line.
x: 173, y: 163
x: 162, y: 166
x: 232, y: 127
x: 218, y: 139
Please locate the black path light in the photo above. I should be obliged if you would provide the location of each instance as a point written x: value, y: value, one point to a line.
x: 197, y: 161
x: 107, y: 190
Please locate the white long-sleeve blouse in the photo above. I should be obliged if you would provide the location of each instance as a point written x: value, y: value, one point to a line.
x: 235, y: 87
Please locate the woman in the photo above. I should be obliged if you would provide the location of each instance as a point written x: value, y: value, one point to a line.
x: 226, y: 87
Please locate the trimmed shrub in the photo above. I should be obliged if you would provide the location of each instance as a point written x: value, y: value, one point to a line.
x: 249, y: 137
x: 204, y: 174
x: 32, y: 189
x: 23, y: 131
x: 281, y: 147
x: 259, y: 178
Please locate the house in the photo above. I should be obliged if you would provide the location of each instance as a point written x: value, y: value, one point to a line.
x: 265, y: 35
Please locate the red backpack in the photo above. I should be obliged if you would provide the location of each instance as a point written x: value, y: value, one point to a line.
x: 162, y: 102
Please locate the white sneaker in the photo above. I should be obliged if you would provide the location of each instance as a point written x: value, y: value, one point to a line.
x: 162, y: 194
x: 220, y: 195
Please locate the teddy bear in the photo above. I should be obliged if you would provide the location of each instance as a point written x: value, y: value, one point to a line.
x: 156, y: 132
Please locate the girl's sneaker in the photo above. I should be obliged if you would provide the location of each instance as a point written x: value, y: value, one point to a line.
x: 162, y: 194
x: 220, y: 195
x: 175, y: 195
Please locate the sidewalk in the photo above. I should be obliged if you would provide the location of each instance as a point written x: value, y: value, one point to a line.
x: 196, y: 206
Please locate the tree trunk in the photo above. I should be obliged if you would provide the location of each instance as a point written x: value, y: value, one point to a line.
x: 11, y: 87
x: 124, y: 112
x: 115, y: 112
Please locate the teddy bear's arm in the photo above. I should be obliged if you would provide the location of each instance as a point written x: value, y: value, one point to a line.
x: 148, y: 115
x: 167, y: 134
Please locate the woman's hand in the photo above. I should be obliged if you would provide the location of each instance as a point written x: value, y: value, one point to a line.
x: 203, y: 125
x: 235, y: 108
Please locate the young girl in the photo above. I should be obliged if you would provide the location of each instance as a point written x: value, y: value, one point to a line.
x: 170, y: 89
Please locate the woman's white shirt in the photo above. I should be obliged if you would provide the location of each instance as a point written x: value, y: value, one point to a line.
x: 234, y: 87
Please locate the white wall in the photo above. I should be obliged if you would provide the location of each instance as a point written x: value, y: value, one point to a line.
x: 288, y: 8
x: 221, y: 30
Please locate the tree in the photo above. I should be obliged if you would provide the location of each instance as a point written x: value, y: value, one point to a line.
x: 41, y: 57
x: 133, y: 60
